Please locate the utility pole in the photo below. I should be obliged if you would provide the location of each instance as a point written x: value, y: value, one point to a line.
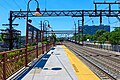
x: 11, y: 33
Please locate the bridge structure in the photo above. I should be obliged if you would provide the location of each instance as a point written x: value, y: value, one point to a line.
x: 62, y: 32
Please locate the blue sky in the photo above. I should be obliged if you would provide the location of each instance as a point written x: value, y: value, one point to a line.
x: 57, y: 23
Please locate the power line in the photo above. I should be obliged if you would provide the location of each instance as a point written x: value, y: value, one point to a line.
x: 88, y: 20
x: 3, y: 6
x: 91, y: 18
x: 74, y: 21
x: 8, y: 4
x: 4, y: 9
x: 25, y: 2
x: 114, y: 22
x: 106, y: 7
x: 17, y: 4
x: 108, y: 17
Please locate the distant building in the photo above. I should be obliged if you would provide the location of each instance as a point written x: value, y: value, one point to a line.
x: 23, y: 39
x: 92, y: 29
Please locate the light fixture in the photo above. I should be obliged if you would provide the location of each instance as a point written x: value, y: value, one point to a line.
x: 29, y: 20
x: 37, y: 13
x: 49, y: 26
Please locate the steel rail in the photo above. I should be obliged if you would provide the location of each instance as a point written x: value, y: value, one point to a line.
x: 76, y: 50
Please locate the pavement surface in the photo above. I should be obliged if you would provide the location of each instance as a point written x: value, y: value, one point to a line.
x: 54, y: 66
x: 60, y: 64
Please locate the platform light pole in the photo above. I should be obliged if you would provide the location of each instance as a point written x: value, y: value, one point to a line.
x: 42, y: 36
x: 83, y: 28
x: 48, y: 26
x: 37, y: 13
x: 75, y: 31
x: 79, y: 30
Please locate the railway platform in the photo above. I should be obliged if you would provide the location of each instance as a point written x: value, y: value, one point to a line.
x: 59, y: 64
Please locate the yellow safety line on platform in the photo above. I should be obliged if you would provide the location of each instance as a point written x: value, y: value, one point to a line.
x: 82, y: 71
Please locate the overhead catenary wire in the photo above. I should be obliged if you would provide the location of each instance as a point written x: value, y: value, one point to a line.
x: 88, y: 20
x: 8, y: 4
x: 74, y: 21
x: 114, y: 22
x: 25, y: 2
x: 111, y: 4
x: 3, y: 7
x: 108, y: 17
x: 17, y: 4
x: 91, y: 17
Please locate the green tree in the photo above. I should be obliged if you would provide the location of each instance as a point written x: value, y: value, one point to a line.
x: 79, y: 37
x: 106, y: 35
x: 100, y: 32
x: 94, y: 38
x: 87, y: 36
x: 117, y: 29
x: 54, y: 38
x: 101, y: 39
x: 100, y: 36
x: 114, y: 38
x: 1, y: 38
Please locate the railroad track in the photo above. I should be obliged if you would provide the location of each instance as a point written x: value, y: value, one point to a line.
x: 105, y: 65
